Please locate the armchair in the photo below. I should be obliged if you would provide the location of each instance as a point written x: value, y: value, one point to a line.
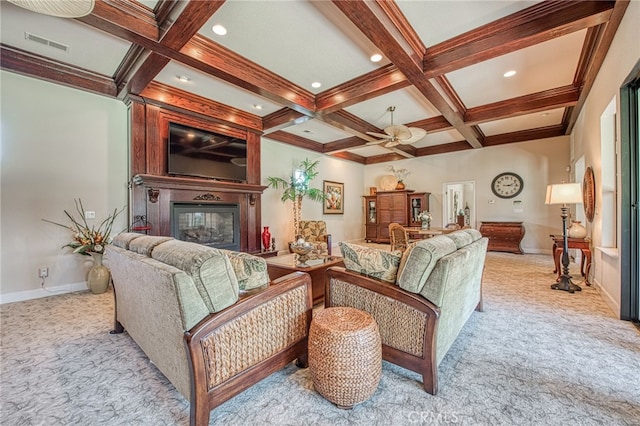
x: 420, y: 301
x: 315, y: 232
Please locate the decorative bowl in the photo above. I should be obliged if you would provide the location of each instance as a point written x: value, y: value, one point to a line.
x: 302, y: 251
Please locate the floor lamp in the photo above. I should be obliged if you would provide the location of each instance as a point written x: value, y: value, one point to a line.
x: 565, y: 194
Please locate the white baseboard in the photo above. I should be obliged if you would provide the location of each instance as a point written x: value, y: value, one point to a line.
x: 20, y: 296
x: 610, y: 301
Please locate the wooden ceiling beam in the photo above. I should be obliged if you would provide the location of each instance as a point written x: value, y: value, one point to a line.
x: 281, y: 119
x: 378, y: 22
x: 596, y: 56
x: 542, y: 101
x: 295, y: 140
x: 167, y: 95
x: 536, y: 24
x: 32, y: 65
x: 525, y: 135
x: 384, y: 80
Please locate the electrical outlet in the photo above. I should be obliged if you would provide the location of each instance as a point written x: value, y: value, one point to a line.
x: 89, y: 215
x: 44, y: 272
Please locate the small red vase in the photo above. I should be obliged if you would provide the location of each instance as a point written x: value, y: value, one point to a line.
x: 266, y: 238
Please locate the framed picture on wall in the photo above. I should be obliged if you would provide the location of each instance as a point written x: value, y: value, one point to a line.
x: 334, y: 201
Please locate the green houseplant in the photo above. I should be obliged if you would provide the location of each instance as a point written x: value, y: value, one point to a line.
x: 297, y: 187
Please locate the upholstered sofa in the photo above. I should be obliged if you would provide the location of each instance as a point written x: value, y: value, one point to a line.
x: 208, y: 319
x: 420, y: 298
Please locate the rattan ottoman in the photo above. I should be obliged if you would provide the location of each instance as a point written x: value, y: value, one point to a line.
x: 345, y: 355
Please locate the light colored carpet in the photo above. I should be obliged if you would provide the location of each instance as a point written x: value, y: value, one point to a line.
x: 534, y: 356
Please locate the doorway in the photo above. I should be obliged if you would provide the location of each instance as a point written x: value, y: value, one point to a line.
x: 459, y: 197
x: 630, y: 178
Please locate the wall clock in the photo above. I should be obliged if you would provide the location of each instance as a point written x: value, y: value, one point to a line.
x: 507, y: 185
x: 589, y: 194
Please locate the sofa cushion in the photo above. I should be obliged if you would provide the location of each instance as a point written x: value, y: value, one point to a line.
x: 123, y: 239
x: 146, y: 243
x: 372, y: 262
x: 251, y: 271
x: 209, y: 268
x: 460, y: 238
x: 419, y: 259
x: 475, y: 234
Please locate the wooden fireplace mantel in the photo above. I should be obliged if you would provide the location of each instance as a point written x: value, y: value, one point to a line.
x: 194, y: 184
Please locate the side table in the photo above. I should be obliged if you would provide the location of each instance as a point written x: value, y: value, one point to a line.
x: 345, y: 355
x: 582, y: 244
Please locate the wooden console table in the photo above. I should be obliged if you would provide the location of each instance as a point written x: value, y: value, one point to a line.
x: 582, y: 244
x: 503, y: 236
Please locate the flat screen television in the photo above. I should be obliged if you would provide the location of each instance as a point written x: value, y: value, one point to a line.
x: 200, y: 153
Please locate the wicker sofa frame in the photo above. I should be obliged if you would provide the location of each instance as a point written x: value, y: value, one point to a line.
x: 212, y: 360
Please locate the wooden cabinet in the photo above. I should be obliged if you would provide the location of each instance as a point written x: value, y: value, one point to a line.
x: 392, y: 206
x: 503, y: 236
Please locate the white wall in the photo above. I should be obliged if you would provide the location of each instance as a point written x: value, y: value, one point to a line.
x: 279, y: 160
x: 620, y: 60
x: 58, y: 144
x: 538, y: 163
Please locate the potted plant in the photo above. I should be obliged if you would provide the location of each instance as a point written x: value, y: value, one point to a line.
x: 297, y: 187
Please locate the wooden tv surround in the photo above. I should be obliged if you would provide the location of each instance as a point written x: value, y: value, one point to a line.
x: 153, y: 191
x: 503, y: 236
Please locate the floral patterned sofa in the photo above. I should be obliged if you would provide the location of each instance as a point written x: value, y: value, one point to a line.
x: 210, y: 320
x: 420, y: 298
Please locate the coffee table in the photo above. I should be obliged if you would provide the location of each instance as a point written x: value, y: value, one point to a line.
x: 279, y: 266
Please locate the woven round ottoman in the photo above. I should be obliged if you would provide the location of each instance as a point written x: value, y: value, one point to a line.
x: 345, y: 355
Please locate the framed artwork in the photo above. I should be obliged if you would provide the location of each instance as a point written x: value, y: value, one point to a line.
x: 334, y: 202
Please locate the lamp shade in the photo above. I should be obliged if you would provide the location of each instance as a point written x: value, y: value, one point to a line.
x: 564, y: 193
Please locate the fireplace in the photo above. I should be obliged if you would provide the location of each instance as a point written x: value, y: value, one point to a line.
x: 214, y: 225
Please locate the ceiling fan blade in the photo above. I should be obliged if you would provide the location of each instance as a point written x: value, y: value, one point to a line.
x: 377, y: 142
x: 416, y: 134
x: 398, y: 131
x: 379, y: 135
x: 392, y: 143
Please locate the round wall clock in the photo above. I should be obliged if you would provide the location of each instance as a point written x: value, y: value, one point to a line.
x: 507, y: 185
x: 589, y: 194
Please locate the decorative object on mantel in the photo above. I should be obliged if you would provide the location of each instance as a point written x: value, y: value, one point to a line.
x: 297, y: 188
x: 91, y: 241
x: 425, y: 218
x: 266, y: 238
x: 565, y: 194
x: 576, y: 230
x: 207, y: 197
x: 273, y: 244
x: 400, y: 175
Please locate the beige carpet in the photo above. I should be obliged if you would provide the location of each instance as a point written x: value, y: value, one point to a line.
x: 534, y: 357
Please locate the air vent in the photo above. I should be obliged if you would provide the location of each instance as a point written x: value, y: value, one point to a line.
x: 46, y: 42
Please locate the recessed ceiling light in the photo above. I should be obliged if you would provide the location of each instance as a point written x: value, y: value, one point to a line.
x: 219, y: 29
x: 510, y: 73
x: 183, y: 78
x: 257, y: 106
x: 316, y: 84
x: 376, y: 57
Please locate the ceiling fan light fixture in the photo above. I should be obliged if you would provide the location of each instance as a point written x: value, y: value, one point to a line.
x: 59, y: 8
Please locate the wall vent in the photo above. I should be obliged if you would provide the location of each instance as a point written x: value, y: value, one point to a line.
x: 46, y: 42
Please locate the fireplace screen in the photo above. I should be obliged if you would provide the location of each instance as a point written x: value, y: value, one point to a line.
x: 210, y: 224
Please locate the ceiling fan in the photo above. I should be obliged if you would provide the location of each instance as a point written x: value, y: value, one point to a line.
x: 397, y: 134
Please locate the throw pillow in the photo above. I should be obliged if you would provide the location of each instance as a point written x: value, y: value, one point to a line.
x: 372, y: 262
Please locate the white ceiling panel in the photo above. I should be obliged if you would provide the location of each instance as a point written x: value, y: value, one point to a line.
x: 317, y: 131
x: 213, y: 88
x: 436, y: 20
x: 305, y: 48
x: 433, y: 139
x: 410, y: 106
x: 540, y: 67
x: 523, y: 122
x: 88, y: 49
x: 370, y: 150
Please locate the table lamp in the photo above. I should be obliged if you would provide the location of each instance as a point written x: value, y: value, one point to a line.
x: 565, y: 194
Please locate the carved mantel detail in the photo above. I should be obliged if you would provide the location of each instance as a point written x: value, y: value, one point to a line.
x: 208, y: 197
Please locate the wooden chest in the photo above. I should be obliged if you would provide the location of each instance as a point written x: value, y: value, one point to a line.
x: 503, y: 236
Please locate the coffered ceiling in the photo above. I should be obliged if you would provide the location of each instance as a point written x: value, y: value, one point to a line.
x: 442, y: 67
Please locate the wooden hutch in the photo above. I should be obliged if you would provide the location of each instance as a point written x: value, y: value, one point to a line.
x: 399, y: 206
